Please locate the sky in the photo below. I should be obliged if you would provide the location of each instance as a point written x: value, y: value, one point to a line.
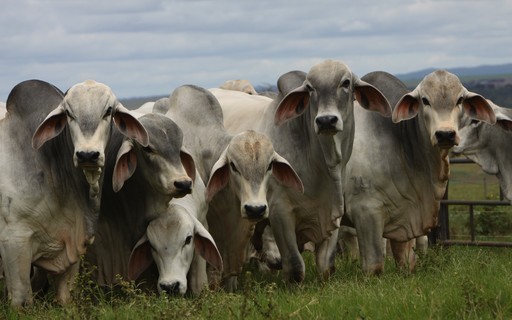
x: 149, y: 47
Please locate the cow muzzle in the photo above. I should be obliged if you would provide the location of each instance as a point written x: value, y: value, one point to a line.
x: 88, y: 159
x: 446, y: 138
x: 255, y: 212
x: 182, y: 187
x: 327, y: 125
x: 172, y: 289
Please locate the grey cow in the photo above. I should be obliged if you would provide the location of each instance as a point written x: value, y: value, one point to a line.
x: 311, y: 124
x: 238, y: 170
x: 490, y: 146
x: 399, y: 169
x: 50, y: 194
x: 140, y: 181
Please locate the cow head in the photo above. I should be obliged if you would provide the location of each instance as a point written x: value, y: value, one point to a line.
x: 441, y: 100
x: 170, y: 241
x: 88, y: 111
x: 246, y: 166
x: 329, y: 91
x: 167, y: 167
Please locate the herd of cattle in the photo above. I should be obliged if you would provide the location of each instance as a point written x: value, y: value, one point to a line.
x: 202, y: 180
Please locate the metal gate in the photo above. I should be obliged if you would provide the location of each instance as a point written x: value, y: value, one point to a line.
x: 441, y: 234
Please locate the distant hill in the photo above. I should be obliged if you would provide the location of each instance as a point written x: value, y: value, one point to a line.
x: 462, y: 72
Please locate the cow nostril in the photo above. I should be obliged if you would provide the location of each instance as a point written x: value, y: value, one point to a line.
x: 183, y: 184
x: 326, y: 120
x: 445, y: 136
x: 170, y: 288
x: 87, y: 156
x: 255, y: 212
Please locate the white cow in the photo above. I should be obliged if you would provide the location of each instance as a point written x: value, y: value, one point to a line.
x: 311, y: 124
x: 489, y: 146
x: 3, y: 110
x: 176, y: 240
x: 398, y: 171
x: 237, y: 169
x: 50, y: 194
x: 139, y: 183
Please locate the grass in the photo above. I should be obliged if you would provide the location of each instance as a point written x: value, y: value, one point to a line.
x: 450, y: 283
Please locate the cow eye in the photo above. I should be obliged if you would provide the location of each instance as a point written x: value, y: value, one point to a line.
x: 425, y: 101
x: 233, y: 167
x: 269, y: 167
x: 474, y: 122
x: 108, y: 112
x: 148, y: 149
x: 310, y: 88
x: 188, y: 240
x: 345, y: 84
x: 69, y: 115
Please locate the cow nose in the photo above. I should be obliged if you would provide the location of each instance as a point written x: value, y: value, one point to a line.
x: 445, y: 137
x: 183, y: 185
x: 87, y: 156
x: 255, y: 212
x: 170, y: 288
x: 326, y: 121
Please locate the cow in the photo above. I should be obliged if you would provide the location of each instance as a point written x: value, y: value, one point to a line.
x: 140, y: 181
x: 175, y: 241
x: 239, y: 85
x: 237, y: 168
x: 311, y: 124
x: 399, y: 169
x: 489, y: 146
x: 51, y: 192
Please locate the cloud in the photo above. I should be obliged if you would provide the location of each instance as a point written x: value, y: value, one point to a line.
x: 144, y: 48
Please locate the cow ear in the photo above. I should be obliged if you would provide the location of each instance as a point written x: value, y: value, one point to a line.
x: 52, y: 126
x: 293, y: 105
x: 284, y: 173
x: 125, y: 166
x: 205, y: 246
x: 477, y: 107
x: 130, y: 126
x: 503, y: 117
x: 219, y: 176
x: 371, y: 98
x: 140, y: 258
x: 407, y: 108
x: 188, y: 164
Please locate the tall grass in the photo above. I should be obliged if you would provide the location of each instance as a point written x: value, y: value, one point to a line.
x: 450, y: 283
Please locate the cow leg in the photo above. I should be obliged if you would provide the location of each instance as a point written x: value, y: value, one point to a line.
x: 369, y: 228
x: 404, y: 255
x: 230, y: 283
x: 17, y: 258
x: 283, y: 228
x: 326, y: 254
x: 64, y: 282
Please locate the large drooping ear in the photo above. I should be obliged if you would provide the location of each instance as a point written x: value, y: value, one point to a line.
x: 407, y: 107
x: 125, y: 166
x: 205, y: 246
x: 293, y: 105
x: 140, y: 258
x: 477, y: 107
x: 188, y: 163
x: 371, y: 98
x: 52, y: 126
x: 284, y: 173
x: 219, y: 177
x: 130, y: 126
x: 503, y: 117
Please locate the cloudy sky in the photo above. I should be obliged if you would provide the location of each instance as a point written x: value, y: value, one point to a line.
x: 149, y: 47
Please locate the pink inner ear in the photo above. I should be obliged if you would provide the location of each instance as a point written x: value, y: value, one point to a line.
x: 49, y: 129
x: 291, y: 106
x: 188, y: 164
x: 208, y: 251
x: 131, y: 127
x: 140, y: 259
x: 477, y: 107
x: 217, y: 182
x: 287, y: 176
x: 407, y: 108
x: 124, y: 169
x: 372, y: 99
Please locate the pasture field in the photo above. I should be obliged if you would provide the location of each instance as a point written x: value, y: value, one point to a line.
x: 450, y: 283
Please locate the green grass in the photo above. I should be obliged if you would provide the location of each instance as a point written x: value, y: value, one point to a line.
x: 450, y: 283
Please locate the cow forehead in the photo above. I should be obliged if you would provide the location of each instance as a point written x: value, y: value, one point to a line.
x: 328, y: 72
x: 89, y: 98
x: 251, y: 147
x: 164, y: 134
x: 173, y: 224
x: 441, y: 86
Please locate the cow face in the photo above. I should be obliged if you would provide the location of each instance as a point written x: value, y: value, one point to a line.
x: 440, y: 100
x: 167, y: 168
x: 246, y: 166
x: 88, y: 110
x: 171, y: 241
x: 329, y: 91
